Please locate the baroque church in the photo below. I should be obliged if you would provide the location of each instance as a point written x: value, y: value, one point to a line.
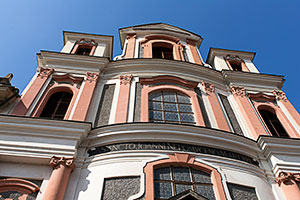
x: 157, y: 122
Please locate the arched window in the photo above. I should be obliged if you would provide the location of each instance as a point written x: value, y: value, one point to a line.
x: 57, y: 105
x: 162, y: 50
x: 273, y: 124
x: 173, y: 180
x: 170, y: 107
x: 84, y: 47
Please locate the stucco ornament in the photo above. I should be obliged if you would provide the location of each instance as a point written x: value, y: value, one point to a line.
x: 56, y: 161
x: 285, y: 177
x: 125, y: 79
x: 280, y: 95
x: 92, y: 76
x: 208, y: 87
x: 237, y: 91
x: 45, y: 72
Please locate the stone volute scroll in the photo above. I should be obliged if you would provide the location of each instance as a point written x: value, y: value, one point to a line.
x: 208, y: 87
x: 280, y: 95
x: 125, y: 79
x: 289, y: 182
x: 92, y: 76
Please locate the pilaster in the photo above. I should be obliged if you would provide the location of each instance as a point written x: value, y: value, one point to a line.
x: 256, y: 128
x: 131, y: 38
x: 28, y: 98
x: 86, y: 96
x: 62, y: 168
x: 123, y: 99
x: 216, y: 108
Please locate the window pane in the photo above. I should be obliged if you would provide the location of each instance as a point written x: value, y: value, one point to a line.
x: 181, y: 188
x: 201, y: 177
x: 171, y: 116
x: 182, y: 174
x: 169, y: 97
x: 171, y: 107
x: 206, y: 191
x: 183, y: 98
x: 162, y: 190
x: 187, y: 118
x: 162, y: 174
x: 156, y: 96
x: 185, y: 108
x: 156, y: 115
x: 155, y: 105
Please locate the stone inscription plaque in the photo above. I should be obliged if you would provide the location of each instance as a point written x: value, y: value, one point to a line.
x: 170, y: 147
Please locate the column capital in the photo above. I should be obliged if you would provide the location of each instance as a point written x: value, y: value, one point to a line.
x: 280, y: 95
x: 56, y: 161
x: 125, y: 79
x: 208, y: 87
x: 129, y: 36
x: 92, y: 76
x: 45, y: 72
x: 237, y: 91
x: 284, y: 177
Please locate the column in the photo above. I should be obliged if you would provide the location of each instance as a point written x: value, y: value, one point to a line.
x: 130, y: 46
x: 288, y: 183
x: 123, y: 99
x: 86, y: 96
x: 216, y: 108
x: 255, y: 126
x: 57, y: 185
x: 195, y: 54
x: 28, y: 98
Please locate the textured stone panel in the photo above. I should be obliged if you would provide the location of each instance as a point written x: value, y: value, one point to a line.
x: 137, y: 106
x: 103, y: 113
x: 120, y: 188
x: 234, y: 123
x: 239, y: 192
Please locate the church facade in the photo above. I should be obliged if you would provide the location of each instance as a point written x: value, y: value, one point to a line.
x: 157, y: 122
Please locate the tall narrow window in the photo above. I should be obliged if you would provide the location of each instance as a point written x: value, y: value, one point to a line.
x: 235, y: 65
x: 173, y: 180
x: 162, y: 50
x: 170, y: 107
x: 273, y: 124
x: 57, y: 105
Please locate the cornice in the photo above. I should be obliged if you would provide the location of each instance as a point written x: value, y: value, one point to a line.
x: 279, y: 146
x: 25, y: 139
x: 253, y: 81
x: 150, y: 132
x: 145, y: 68
x: 71, y: 63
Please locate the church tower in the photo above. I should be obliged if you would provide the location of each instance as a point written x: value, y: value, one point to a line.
x: 157, y: 122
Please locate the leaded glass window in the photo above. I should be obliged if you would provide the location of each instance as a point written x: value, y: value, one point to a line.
x: 170, y: 107
x: 173, y: 180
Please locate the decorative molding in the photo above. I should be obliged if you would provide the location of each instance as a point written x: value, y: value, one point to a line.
x: 56, y: 161
x: 261, y: 96
x: 208, y: 87
x: 285, y: 177
x: 238, y: 91
x: 45, y: 72
x: 92, y: 76
x: 171, y: 79
x: 280, y: 95
x: 233, y: 58
x: 19, y: 185
x: 125, y: 79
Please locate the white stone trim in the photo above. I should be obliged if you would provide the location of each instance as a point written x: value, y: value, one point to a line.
x: 68, y: 46
x: 240, y: 118
x: 188, y: 52
x: 217, y: 92
x: 30, y: 83
x: 77, y: 99
x: 38, y: 96
x: 130, y: 114
x: 290, y: 118
x: 250, y: 66
x: 113, y: 109
x: 208, y: 107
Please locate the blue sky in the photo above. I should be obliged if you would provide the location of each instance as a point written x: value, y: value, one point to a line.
x: 269, y: 28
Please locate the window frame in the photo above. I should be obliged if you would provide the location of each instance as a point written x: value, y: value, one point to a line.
x: 182, y: 160
x: 235, y: 60
x: 85, y: 44
x: 59, y: 83
x: 190, y: 85
x: 268, y: 102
